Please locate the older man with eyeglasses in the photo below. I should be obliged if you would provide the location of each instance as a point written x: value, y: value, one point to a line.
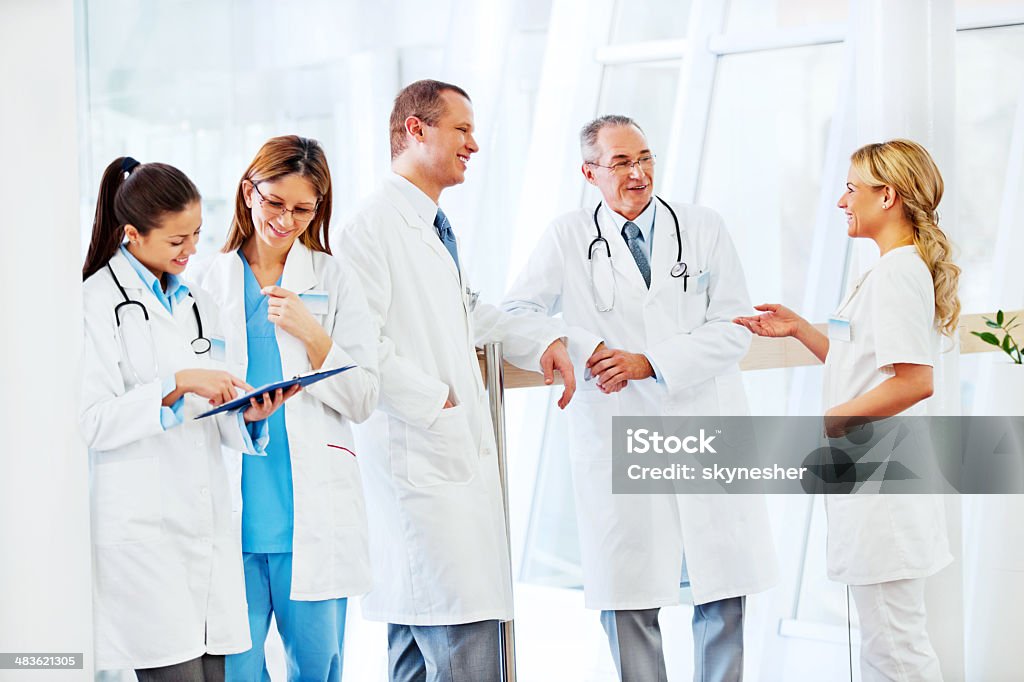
x: 649, y: 289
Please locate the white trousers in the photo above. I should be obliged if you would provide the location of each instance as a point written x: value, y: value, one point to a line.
x: 894, y: 644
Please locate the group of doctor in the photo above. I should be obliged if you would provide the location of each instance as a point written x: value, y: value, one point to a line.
x: 383, y: 480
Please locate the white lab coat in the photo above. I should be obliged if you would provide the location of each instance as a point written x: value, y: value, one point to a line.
x: 437, y: 528
x: 632, y: 545
x: 168, y: 584
x: 874, y: 538
x: 329, y: 538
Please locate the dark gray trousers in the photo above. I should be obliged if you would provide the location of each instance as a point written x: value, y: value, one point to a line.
x: 207, y: 668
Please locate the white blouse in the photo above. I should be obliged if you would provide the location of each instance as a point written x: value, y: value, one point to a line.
x: 888, y: 318
x: 891, y: 315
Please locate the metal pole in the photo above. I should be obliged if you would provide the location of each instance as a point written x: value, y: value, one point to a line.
x: 496, y: 396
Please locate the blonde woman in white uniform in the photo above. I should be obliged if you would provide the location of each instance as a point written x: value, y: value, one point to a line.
x: 883, y: 343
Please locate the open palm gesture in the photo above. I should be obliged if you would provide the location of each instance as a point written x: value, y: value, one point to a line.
x: 776, y: 321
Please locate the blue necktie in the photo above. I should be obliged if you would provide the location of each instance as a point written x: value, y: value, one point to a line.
x: 635, y: 243
x: 444, y: 231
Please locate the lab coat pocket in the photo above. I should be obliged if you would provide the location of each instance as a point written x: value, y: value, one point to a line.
x: 445, y: 452
x: 697, y: 400
x: 316, y: 302
x: 692, y: 308
x: 126, y: 501
x: 590, y: 425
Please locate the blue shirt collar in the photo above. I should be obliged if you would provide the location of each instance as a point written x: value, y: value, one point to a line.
x: 176, y: 289
x: 644, y: 221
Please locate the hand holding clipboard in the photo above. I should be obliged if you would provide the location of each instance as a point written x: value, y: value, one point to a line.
x: 303, y: 380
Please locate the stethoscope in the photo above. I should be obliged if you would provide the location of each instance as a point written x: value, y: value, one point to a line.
x: 200, y: 344
x: 678, y: 270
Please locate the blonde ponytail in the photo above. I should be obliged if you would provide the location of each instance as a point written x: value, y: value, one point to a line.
x: 937, y: 252
x: 908, y: 168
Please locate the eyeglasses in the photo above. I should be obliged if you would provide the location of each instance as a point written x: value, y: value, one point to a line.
x: 272, y: 209
x: 646, y: 164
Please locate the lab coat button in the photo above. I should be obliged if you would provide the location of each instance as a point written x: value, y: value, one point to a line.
x: 205, y: 492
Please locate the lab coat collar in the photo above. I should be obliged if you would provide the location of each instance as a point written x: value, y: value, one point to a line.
x: 644, y: 221
x: 227, y: 274
x: 422, y: 205
x: 136, y: 289
x: 298, y: 277
x: 412, y: 204
x: 622, y: 259
x: 299, y: 273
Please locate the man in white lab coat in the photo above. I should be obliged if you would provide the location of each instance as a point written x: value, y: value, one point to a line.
x: 438, y: 547
x: 649, y: 289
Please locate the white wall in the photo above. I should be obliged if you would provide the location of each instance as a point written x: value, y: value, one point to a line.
x: 44, y: 519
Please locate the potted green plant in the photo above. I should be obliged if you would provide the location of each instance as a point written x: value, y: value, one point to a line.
x: 1004, y: 395
x: 1008, y: 345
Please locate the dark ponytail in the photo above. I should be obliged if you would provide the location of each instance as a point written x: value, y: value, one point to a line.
x: 134, y: 194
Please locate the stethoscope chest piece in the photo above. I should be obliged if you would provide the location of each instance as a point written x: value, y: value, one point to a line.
x: 678, y: 270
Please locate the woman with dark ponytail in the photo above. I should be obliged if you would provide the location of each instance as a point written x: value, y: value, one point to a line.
x: 168, y: 591
x: 879, y: 354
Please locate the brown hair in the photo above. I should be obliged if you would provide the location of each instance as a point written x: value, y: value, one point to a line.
x: 278, y: 157
x: 134, y: 194
x: 909, y: 169
x: 423, y: 100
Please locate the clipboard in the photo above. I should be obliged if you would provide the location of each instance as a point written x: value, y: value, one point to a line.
x: 302, y: 380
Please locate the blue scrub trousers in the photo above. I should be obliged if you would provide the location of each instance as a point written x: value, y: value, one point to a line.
x: 313, y: 632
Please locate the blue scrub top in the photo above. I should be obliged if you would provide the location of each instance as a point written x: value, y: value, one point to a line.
x: 268, y: 511
x: 176, y: 289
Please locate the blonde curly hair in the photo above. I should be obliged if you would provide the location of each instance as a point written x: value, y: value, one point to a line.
x: 909, y: 169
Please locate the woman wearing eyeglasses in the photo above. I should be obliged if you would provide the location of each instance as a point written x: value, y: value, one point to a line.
x: 304, y: 537
x: 168, y: 592
x: 882, y: 344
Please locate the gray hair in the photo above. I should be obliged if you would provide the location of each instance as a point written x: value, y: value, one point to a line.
x: 588, y: 135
